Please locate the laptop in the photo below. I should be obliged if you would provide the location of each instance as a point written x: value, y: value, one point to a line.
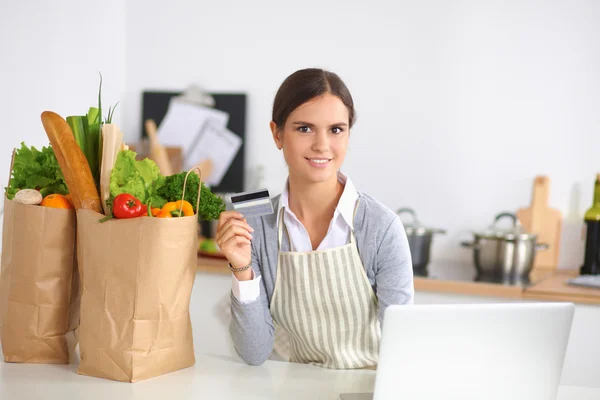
x: 471, y: 351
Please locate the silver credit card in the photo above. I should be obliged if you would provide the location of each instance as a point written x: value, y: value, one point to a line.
x: 252, y: 204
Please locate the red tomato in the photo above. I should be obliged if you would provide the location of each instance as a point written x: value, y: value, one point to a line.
x: 127, y: 206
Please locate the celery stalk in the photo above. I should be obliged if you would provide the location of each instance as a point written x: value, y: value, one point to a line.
x: 92, y: 115
x: 86, y: 136
x: 79, y: 131
x: 93, y: 140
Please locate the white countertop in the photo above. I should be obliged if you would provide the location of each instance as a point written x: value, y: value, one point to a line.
x: 213, y: 377
x: 218, y: 373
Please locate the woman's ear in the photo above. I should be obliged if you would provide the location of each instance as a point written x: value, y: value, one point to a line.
x: 277, y: 135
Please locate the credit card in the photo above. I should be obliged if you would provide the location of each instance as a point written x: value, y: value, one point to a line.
x: 252, y: 204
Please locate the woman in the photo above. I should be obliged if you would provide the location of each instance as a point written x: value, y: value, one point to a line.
x: 322, y: 268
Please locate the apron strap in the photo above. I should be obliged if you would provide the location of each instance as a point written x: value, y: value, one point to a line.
x: 352, y: 238
x: 280, y: 227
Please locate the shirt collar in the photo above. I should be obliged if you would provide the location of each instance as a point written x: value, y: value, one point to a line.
x: 345, y: 206
x: 347, y: 203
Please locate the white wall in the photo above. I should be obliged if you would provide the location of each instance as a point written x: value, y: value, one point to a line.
x: 50, y: 57
x: 460, y: 104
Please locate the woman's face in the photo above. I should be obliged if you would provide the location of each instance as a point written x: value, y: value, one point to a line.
x: 315, y: 138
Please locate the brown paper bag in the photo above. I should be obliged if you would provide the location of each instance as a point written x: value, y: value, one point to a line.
x: 37, y: 289
x: 137, y: 277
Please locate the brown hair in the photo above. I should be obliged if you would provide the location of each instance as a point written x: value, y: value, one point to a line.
x: 304, y: 85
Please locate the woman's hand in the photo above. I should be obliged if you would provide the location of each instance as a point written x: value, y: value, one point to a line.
x: 233, y: 238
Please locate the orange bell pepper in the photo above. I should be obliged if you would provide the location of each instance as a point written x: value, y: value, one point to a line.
x: 164, y: 214
x: 174, y: 207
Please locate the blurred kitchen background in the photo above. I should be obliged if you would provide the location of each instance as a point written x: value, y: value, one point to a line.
x: 461, y: 104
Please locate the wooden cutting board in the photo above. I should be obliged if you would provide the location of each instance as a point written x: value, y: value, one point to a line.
x: 157, y: 151
x: 544, y: 221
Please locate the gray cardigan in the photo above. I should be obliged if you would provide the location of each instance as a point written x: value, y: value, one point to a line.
x: 383, y: 249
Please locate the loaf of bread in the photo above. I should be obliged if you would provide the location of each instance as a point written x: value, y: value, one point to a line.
x: 72, y: 161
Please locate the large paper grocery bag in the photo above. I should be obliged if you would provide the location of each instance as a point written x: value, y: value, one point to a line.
x: 38, y: 292
x: 137, y: 277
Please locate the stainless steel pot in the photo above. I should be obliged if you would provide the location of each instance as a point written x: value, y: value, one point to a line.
x: 419, y: 240
x: 504, y: 255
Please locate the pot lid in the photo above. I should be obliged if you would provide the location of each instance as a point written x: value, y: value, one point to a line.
x: 513, y: 232
x: 416, y: 227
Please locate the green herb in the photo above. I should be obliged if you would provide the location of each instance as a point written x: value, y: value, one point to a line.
x: 35, y: 169
x: 211, y: 205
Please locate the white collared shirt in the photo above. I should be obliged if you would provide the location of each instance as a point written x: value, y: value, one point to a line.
x: 338, y: 234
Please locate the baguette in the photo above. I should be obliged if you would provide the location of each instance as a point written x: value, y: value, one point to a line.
x: 72, y: 162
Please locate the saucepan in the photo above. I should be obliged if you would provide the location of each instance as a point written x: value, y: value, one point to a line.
x: 504, y: 254
x: 419, y: 239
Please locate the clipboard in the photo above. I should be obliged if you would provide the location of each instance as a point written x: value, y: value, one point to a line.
x: 156, y: 103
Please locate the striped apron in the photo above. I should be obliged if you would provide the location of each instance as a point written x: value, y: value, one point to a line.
x: 324, y: 308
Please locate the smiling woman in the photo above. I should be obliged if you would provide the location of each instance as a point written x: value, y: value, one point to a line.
x: 313, y: 280
x: 315, y: 136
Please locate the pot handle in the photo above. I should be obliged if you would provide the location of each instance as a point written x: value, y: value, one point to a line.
x: 415, y: 221
x: 408, y: 210
x: 506, y: 214
x: 542, y: 246
x: 472, y: 245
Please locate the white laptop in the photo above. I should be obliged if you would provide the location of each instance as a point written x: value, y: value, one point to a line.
x: 471, y: 351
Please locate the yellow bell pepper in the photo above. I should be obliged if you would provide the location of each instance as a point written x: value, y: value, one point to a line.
x: 174, y: 207
x: 187, y: 209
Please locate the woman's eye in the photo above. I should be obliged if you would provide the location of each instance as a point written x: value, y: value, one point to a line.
x: 304, y: 129
x: 336, y: 130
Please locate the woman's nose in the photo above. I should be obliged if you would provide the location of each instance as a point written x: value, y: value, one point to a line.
x: 321, y: 143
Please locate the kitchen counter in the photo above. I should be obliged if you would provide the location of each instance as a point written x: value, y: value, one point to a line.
x: 555, y: 288
x: 220, y: 374
x: 456, y: 278
x: 212, y: 377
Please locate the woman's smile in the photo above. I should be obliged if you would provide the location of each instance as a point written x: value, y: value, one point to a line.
x: 318, y: 162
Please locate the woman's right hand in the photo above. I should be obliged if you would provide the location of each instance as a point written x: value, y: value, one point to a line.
x: 233, y: 238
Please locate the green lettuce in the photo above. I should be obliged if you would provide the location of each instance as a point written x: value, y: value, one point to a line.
x: 35, y: 169
x: 141, y: 179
